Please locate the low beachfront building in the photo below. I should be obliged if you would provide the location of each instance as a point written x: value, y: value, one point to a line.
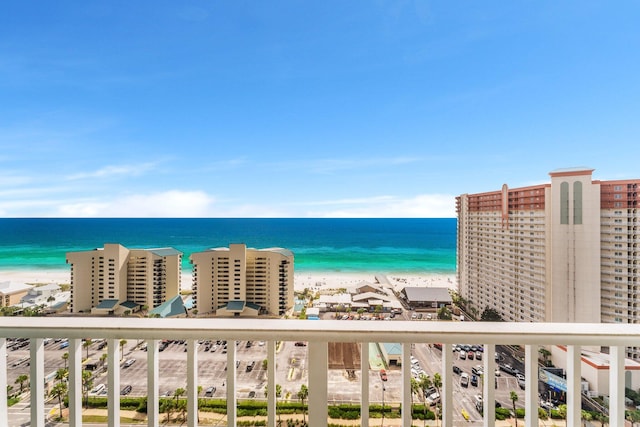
x: 427, y: 298
x: 334, y: 302
x: 115, y: 280
x: 12, y: 293
x: 594, y: 369
x: 39, y: 295
x: 242, y: 282
x: 391, y: 353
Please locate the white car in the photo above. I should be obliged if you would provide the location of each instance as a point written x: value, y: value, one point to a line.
x: 433, y: 399
x: 128, y: 363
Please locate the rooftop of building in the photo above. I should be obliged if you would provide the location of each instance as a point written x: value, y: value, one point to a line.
x: 8, y: 288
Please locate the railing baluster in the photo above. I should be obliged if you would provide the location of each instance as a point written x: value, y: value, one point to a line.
x: 574, y: 397
x: 192, y: 383
x: 113, y: 392
x: 36, y: 381
x: 318, y: 367
x: 364, y: 384
x: 153, y: 365
x: 531, y: 388
x: 4, y: 410
x: 271, y: 383
x: 75, y: 382
x: 232, y: 398
x: 406, y: 384
x: 616, y: 385
x: 447, y: 385
x: 489, y: 393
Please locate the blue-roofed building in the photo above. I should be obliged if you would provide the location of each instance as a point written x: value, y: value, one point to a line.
x: 135, y: 278
x: 391, y: 352
x: 239, y: 281
x: 172, y: 308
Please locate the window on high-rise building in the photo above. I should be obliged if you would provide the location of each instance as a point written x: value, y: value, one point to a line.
x: 564, y: 203
x: 577, y: 202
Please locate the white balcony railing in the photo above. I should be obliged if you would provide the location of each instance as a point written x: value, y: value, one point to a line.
x: 318, y: 334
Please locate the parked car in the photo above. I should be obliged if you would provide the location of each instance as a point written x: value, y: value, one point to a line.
x: 126, y: 390
x: 456, y: 370
x: 433, y: 399
x: 462, y: 355
x: 97, y: 389
x: 474, y: 380
x: 464, y: 379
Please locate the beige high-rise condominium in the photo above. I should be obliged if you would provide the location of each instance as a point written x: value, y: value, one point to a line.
x: 564, y: 251
x: 114, y: 279
x: 240, y: 281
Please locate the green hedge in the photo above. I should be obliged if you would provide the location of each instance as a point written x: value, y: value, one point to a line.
x: 345, y: 412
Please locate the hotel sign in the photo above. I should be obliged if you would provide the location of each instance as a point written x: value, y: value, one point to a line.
x: 553, y: 380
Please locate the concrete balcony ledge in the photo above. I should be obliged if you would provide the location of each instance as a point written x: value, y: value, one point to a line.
x: 318, y: 334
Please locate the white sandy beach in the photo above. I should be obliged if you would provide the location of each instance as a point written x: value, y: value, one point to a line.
x: 320, y: 280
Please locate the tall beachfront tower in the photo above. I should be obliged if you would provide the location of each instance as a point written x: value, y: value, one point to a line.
x: 240, y: 281
x: 114, y: 279
x: 565, y: 251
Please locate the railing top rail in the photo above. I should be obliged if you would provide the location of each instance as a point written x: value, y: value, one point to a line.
x: 596, y: 334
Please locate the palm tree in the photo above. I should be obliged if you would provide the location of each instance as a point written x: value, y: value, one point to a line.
x: 21, y: 380
x: 545, y: 354
x: 634, y: 417
x: 103, y: 358
x: 65, y: 357
x: 122, y: 344
x: 182, y: 407
x: 437, y: 383
x: 59, y: 390
x: 167, y: 406
x: 514, y: 398
x: 415, y: 389
x: 302, y: 395
x: 61, y: 374
x: 425, y: 384
x: 278, y: 395
x: 179, y: 393
x: 87, y: 384
x: 86, y: 345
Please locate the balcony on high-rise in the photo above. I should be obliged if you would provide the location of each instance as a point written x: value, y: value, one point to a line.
x: 318, y: 335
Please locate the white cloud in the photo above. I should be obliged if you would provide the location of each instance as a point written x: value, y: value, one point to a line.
x: 115, y: 171
x: 420, y: 206
x: 173, y: 203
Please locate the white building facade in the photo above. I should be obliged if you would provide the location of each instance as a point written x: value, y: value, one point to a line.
x: 564, y: 251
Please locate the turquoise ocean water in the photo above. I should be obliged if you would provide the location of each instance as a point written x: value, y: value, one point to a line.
x: 340, y: 245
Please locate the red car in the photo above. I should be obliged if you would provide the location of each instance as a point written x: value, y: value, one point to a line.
x: 383, y: 375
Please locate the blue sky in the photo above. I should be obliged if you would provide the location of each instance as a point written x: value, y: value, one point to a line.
x: 307, y: 109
